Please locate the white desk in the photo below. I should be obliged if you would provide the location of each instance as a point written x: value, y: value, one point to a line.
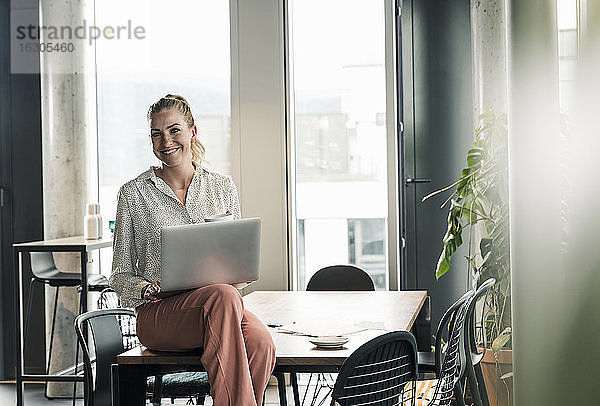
x: 69, y: 244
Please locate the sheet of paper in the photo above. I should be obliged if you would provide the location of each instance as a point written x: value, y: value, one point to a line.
x: 322, y: 326
x: 372, y: 325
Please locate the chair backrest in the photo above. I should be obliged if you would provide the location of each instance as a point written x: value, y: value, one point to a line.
x: 454, y: 360
x: 107, y: 344
x: 474, y: 356
x: 473, y: 323
x: 378, y: 371
x: 41, y: 261
x: 109, y: 299
x: 340, y: 278
x: 444, y: 329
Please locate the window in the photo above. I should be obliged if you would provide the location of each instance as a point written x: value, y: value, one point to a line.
x: 567, y: 16
x: 185, y: 51
x: 337, y: 54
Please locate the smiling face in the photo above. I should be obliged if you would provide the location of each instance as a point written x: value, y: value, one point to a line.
x: 172, y: 138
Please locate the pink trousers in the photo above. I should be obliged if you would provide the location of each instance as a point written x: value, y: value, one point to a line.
x: 239, y: 354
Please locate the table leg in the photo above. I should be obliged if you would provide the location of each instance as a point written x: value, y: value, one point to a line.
x: 114, y: 385
x: 281, y: 386
x: 294, y: 382
x: 132, y: 385
x: 19, y: 324
x: 422, y: 327
x: 84, y: 281
x: 83, y: 298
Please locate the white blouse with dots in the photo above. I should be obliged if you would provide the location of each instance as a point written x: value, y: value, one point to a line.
x: 145, y: 205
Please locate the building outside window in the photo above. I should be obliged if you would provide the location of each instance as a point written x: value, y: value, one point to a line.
x: 338, y: 86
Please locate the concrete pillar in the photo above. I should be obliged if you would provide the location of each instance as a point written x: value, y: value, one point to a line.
x: 488, y: 44
x: 67, y: 163
x: 489, y: 58
x: 488, y: 40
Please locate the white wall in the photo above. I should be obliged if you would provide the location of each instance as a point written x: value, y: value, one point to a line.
x: 258, y: 130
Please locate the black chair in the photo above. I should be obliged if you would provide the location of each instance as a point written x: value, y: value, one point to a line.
x: 474, y: 372
x: 340, y: 278
x: 173, y: 386
x: 432, y: 361
x: 107, y: 344
x: 332, y: 278
x: 45, y: 272
x: 440, y: 391
x: 380, y: 372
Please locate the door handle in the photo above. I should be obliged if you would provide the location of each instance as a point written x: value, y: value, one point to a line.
x: 417, y: 180
x: 3, y: 193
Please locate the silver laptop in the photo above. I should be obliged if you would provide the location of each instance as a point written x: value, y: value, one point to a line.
x: 196, y: 255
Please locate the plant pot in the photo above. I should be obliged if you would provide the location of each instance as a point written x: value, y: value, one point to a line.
x: 500, y: 391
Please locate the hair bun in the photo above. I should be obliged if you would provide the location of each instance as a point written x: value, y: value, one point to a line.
x: 177, y: 97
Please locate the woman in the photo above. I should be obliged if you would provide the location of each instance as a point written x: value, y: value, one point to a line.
x: 239, y: 354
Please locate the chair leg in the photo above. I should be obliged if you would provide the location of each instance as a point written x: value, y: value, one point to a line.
x: 51, y: 340
x: 318, y: 387
x: 473, y: 384
x: 481, y: 383
x: 77, y: 352
x: 281, y: 387
x: 28, y: 315
x: 307, y: 388
x: 460, y: 400
x: 157, y: 390
x: 325, y: 397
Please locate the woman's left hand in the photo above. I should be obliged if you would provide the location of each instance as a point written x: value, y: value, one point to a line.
x: 151, y: 291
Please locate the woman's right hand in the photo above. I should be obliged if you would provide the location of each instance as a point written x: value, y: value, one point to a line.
x: 151, y: 290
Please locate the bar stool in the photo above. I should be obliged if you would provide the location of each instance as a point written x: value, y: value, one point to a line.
x: 45, y: 272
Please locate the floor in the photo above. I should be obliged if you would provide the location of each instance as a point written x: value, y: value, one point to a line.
x: 34, y: 396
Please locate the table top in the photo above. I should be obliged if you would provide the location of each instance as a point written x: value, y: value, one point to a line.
x: 76, y: 241
x: 396, y: 310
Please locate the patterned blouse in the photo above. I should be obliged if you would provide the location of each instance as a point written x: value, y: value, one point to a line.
x: 145, y: 205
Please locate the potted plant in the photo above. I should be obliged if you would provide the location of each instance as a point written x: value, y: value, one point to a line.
x: 478, y: 206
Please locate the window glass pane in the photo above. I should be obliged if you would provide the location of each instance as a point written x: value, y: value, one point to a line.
x: 338, y: 65
x: 185, y: 51
x: 567, y: 52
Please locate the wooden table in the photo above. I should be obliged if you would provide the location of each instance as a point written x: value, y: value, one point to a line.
x: 68, y: 244
x: 396, y: 310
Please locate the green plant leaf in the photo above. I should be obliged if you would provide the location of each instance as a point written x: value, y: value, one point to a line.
x: 474, y: 157
x: 481, y: 197
x: 502, y: 339
x: 463, y: 189
x: 442, y: 266
x: 471, y: 262
x: 485, y: 246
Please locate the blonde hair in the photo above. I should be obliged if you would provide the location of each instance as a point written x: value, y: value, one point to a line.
x: 179, y: 103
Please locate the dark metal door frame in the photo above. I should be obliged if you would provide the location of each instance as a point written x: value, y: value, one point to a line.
x: 434, y: 92
x: 21, y: 215
x: 5, y: 215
